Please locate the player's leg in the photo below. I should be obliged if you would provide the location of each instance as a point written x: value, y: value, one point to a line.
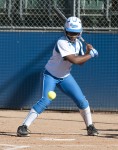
x: 49, y: 84
x: 72, y: 89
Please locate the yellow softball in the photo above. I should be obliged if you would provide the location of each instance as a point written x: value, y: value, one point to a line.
x: 51, y: 95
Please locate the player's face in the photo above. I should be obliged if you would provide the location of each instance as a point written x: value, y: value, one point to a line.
x: 72, y: 36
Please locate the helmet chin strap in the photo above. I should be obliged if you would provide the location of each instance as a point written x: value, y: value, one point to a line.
x: 70, y: 40
x: 75, y: 37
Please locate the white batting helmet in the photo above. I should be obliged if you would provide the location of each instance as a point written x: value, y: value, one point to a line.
x: 73, y: 24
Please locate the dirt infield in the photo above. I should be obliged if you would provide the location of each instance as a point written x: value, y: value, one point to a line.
x: 58, y: 131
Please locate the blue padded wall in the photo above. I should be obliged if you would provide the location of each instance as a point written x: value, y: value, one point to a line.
x: 23, y: 56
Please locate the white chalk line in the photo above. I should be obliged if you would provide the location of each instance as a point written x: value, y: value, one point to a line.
x: 13, y: 147
x: 78, y: 145
x: 56, y: 139
x: 16, y: 147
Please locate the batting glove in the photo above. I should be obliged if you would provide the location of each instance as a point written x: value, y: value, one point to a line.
x: 93, y: 53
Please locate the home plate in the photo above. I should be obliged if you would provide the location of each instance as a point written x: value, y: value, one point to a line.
x: 55, y: 139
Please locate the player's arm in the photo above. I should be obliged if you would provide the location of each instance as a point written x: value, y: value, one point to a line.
x: 80, y: 59
x: 90, y: 52
x: 77, y: 59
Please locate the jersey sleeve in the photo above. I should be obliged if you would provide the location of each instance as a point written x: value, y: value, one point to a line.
x: 64, y: 48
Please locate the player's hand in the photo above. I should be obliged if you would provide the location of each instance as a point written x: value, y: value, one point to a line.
x: 88, y: 48
x: 93, y: 52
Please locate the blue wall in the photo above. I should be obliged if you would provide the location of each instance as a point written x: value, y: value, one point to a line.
x: 23, y: 56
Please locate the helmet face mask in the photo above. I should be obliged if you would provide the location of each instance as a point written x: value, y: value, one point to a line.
x: 73, y: 28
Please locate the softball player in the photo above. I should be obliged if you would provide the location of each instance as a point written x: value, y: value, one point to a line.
x: 67, y: 51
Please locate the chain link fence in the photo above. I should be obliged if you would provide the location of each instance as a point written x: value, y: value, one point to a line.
x: 97, y: 14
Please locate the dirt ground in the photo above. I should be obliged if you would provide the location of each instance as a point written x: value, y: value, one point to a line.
x: 58, y: 131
